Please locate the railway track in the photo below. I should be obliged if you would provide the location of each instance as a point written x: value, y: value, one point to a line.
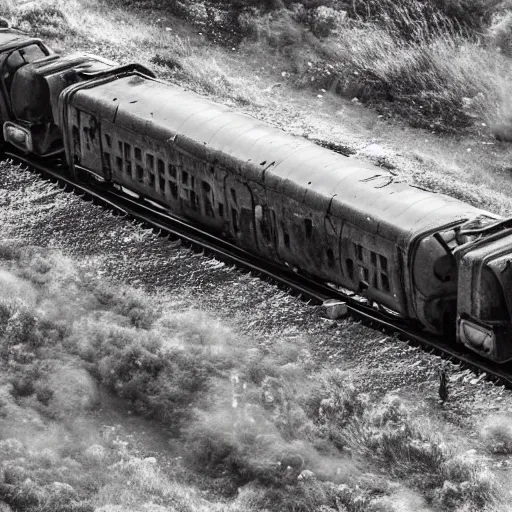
x: 167, y: 225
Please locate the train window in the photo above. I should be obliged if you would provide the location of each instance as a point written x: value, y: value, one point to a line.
x: 364, y: 274
x: 127, y: 151
x: 162, y: 186
x: 383, y: 263
x: 160, y: 167
x: 173, y: 188
x: 207, y: 199
x: 106, y: 160
x: 150, y: 161
x: 108, y: 140
x: 193, y: 200
x: 221, y: 210
x: 234, y: 219
x: 359, y: 252
x: 184, y: 178
x: 330, y: 258
x: 172, y: 171
x: 308, y: 224
x: 373, y: 258
x: 138, y: 154
x: 119, y: 163
x: 385, y: 282
x: 151, y: 180
x: 350, y: 268
x: 140, y: 173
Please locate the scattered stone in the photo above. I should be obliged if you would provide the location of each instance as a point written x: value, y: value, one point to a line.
x: 63, y: 488
x: 335, y: 309
x: 306, y: 475
x: 95, y: 452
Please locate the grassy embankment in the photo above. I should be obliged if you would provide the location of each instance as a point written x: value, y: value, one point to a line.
x: 263, y: 427
x: 441, y: 65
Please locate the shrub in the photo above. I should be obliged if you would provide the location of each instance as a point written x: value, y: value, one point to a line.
x: 499, y: 34
x: 465, y: 482
x: 44, y: 21
x: 497, y: 434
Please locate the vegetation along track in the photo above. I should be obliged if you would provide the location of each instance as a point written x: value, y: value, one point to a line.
x: 308, y: 289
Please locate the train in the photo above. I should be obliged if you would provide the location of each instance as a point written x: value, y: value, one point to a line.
x: 417, y: 255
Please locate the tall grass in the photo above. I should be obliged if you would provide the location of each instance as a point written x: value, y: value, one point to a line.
x: 405, y: 58
x: 437, y: 64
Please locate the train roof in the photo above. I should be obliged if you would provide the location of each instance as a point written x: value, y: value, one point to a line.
x: 365, y: 195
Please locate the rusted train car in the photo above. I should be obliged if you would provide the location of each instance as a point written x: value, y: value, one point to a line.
x: 420, y: 255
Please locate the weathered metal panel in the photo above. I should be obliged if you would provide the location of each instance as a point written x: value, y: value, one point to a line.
x: 392, y: 209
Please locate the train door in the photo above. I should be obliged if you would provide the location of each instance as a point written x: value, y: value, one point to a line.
x: 239, y: 211
x: 87, y: 147
x: 333, y: 248
x: 265, y: 222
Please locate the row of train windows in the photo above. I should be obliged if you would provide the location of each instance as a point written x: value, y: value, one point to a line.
x: 188, y: 181
x: 379, y: 277
x: 376, y: 260
x: 372, y: 267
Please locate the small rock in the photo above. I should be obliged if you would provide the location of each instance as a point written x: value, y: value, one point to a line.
x: 335, y: 309
x: 306, y: 475
x: 150, y: 460
x: 63, y: 488
x: 95, y: 452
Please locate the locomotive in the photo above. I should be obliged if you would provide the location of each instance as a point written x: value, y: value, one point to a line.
x: 418, y: 255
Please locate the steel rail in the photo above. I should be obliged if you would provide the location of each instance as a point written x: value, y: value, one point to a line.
x: 165, y: 223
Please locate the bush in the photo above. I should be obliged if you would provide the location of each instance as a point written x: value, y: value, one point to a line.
x: 47, y: 21
x: 497, y: 434
x: 499, y: 33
